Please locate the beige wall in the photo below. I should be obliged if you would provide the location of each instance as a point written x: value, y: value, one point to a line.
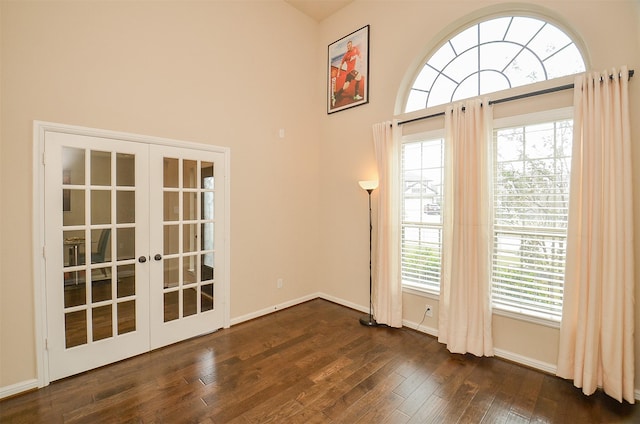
x: 232, y: 74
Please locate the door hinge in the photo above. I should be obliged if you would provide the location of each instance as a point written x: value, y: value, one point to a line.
x: 46, y: 344
x: 44, y: 252
x: 44, y: 159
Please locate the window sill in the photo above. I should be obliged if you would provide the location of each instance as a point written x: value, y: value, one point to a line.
x: 546, y: 322
x: 420, y: 291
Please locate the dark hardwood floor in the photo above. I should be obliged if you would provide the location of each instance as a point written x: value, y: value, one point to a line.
x: 313, y: 363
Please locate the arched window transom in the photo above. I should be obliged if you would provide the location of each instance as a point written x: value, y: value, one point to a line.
x: 494, y: 55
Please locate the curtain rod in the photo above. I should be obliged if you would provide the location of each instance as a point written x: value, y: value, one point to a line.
x: 508, y: 99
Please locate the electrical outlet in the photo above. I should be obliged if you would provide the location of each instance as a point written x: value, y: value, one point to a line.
x: 280, y: 283
x: 428, y: 310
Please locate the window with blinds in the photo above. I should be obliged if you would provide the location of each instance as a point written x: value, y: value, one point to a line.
x: 531, y: 200
x: 421, y: 232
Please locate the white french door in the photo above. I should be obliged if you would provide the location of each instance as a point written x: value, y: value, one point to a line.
x: 134, y: 248
x: 186, y: 241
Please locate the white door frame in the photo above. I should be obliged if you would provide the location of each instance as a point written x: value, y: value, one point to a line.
x: 40, y: 128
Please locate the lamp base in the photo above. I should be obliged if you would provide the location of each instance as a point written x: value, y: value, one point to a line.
x: 368, y: 321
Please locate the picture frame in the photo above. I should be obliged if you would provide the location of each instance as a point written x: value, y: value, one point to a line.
x: 348, y: 71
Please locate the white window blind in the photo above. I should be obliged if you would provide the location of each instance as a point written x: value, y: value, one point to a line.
x: 531, y: 199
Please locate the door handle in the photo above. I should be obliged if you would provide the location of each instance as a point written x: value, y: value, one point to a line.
x: 142, y: 259
x: 157, y: 257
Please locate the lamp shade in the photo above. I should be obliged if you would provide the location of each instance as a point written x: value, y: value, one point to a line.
x: 368, y: 185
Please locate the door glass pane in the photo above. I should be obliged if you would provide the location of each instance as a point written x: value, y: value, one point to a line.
x: 125, y: 207
x: 101, y: 245
x: 74, y: 215
x: 100, y: 288
x: 170, y: 173
x: 75, y: 328
x: 75, y: 293
x: 100, y: 207
x: 171, y: 239
x: 171, y: 306
x: 206, y: 172
x: 207, y: 239
x: 101, y: 275
x: 126, y: 317
x: 125, y: 170
x: 189, y: 266
x: 126, y: 277
x: 73, y: 247
x: 189, y: 302
x: 72, y: 166
x: 206, y: 272
x: 171, y: 206
x: 126, y: 243
x: 189, y: 238
x: 190, y: 206
x: 206, y: 297
x: 66, y: 200
x: 207, y: 205
x: 189, y: 174
x: 171, y: 275
x: 100, y: 168
x: 101, y: 319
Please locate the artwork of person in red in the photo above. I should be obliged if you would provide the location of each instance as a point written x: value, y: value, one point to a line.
x: 352, y: 58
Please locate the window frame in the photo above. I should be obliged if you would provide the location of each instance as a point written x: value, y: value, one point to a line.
x: 434, y: 47
x: 532, y: 118
x: 522, y: 120
x: 424, y: 136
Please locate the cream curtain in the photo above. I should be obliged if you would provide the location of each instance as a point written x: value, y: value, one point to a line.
x: 465, y: 302
x: 596, y: 334
x: 387, y: 283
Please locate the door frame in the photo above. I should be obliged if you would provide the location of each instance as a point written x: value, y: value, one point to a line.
x: 40, y: 128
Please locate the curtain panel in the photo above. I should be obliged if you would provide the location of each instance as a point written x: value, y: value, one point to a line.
x: 465, y: 295
x: 596, y: 333
x: 387, y: 282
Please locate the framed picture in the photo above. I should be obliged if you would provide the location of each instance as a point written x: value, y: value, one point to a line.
x: 348, y: 71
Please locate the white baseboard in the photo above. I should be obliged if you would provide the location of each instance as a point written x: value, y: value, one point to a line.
x: 528, y: 362
x: 288, y: 304
x: 421, y: 328
x: 342, y: 302
x: 272, y: 309
x: 18, y: 388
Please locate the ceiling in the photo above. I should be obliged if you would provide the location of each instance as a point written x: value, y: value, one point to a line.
x: 318, y: 9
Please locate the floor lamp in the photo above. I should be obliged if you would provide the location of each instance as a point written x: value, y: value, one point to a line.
x: 368, y: 320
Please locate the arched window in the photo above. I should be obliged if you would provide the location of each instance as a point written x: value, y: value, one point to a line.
x: 494, y: 55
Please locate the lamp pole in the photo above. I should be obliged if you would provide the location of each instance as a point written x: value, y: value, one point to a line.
x: 368, y: 320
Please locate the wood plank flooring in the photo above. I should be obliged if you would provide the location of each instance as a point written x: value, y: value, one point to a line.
x: 313, y: 363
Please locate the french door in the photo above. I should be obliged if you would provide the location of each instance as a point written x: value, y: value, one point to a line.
x: 186, y: 217
x: 134, y: 248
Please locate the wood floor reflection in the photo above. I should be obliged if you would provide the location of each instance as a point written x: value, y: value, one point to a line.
x: 313, y: 363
